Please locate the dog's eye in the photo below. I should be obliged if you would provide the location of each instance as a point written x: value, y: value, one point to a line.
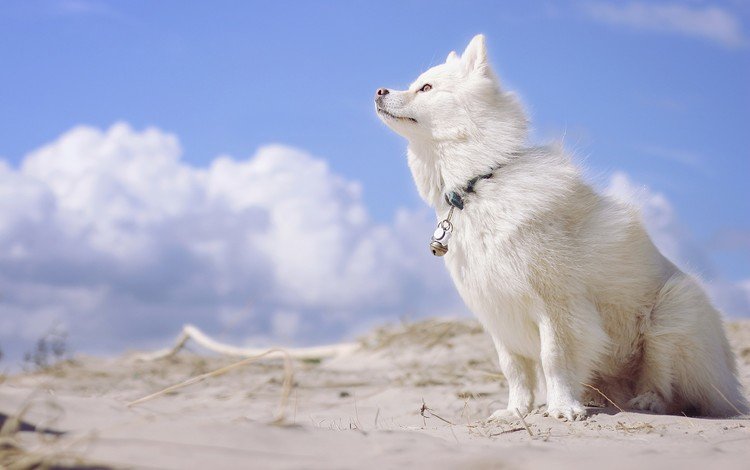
x: 426, y: 87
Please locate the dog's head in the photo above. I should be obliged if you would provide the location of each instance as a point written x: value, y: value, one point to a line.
x: 449, y: 101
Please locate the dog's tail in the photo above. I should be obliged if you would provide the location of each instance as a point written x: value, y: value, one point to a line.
x: 695, y: 358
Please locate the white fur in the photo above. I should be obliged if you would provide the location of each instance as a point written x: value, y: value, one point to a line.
x: 560, y: 277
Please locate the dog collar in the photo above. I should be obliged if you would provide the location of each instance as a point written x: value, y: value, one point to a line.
x: 454, y: 199
x: 439, y: 241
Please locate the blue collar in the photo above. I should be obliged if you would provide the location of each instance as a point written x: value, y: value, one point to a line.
x: 454, y: 199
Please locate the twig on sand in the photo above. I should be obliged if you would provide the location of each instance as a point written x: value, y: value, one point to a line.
x: 432, y: 413
x: 454, y: 434
x: 356, y: 412
x: 425, y: 409
x: 523, y: 421
x: 286, y: 386
x: 605, y: 396
x: 421, y: 412
x: 506, y: 431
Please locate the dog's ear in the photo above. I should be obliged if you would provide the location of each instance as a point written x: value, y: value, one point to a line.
x: 452, y: 57
x: 475, y: 55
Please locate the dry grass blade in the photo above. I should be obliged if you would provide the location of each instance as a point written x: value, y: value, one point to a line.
x: 739, y: 413
x: 426, y: 409
x: 356, y: 413
x: 507, y: 431
x: 286, y: 386
x: 605, y: 396
x: 689, y: 421
x: 523, y: 421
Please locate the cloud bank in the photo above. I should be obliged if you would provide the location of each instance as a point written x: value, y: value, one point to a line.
x: 707, y: 22
x: 112, y: 237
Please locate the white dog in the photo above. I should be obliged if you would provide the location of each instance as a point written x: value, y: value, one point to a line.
x: 560, y: 276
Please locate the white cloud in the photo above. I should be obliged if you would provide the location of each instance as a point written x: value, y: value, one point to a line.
x: 112, y: 235
x: 677, y: 244
x: 708, y: 22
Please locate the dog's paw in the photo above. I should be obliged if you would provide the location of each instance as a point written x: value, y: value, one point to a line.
x: 648, y: 401
x: 505, y: 415
x: 567, y: 412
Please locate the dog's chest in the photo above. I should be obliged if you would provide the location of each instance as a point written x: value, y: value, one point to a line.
x: 489, y: 266
x: 487, y: 251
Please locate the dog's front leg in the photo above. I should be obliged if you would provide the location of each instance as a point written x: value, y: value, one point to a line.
x: 561, y: 363
x: 520, y: 373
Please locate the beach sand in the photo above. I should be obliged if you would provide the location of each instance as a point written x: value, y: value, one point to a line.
x: 411, y: 396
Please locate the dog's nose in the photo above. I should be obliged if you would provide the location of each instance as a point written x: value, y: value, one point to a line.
x: 381, y: 92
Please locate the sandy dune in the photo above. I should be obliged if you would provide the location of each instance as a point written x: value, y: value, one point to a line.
x: 413, y: 396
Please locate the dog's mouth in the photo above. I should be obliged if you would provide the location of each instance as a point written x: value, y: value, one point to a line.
x: 385, y: 113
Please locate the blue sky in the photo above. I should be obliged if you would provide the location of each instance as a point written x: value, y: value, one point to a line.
x: 672, y: 109
x: 656, y: 90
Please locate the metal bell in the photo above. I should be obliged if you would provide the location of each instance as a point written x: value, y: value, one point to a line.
x: 437, y: 248
x: 441, y: 235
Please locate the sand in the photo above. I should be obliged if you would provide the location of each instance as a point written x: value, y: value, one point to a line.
x: 411, y: 396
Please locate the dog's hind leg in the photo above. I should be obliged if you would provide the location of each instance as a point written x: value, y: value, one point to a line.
x: 687, y: 362
x: 654, y: 388
x: 661, y: 335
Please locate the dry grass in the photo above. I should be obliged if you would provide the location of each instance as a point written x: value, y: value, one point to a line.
x: 426, y: 334
x: 286, y: 385
x: 48, y: 454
